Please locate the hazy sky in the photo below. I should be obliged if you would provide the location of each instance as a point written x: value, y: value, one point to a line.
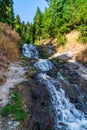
x: 27, y: 8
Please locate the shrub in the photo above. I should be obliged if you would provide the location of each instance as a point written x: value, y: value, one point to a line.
x: 15, y: 108
x: 61, y: 39
x: 82, y: 56
x: 83, y: 36
x: 9, y: 43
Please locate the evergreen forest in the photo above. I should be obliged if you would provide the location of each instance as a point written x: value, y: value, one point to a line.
x: 61, y: 17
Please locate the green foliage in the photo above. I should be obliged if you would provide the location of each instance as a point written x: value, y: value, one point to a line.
x: 6, y: 12
x: 59, y: 18
x: 63, y: 16
x: 46, y: 25
x: 37, y: 42
x: 44, y: 52
x: 15, y: 108
x: 25, y: 61
x: 61, y: 39
x: 83, y: 36
x: 38, y: 24
x: 18, y: 28
x: 56, y: 59
x: 32, y: 72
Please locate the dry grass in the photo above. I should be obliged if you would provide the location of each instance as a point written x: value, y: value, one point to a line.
x: 82, y: 56
x: 72, y: 43
x: 9, y: 43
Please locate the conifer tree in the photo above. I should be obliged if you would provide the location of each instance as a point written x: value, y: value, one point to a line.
x: 38, y: 24
x: 6, y: 12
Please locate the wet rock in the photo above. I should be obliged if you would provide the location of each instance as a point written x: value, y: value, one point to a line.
x: 71, y: 66
x: 30, y: 51
x: 3, y: 78
x: 44, y: 65
x: 64, y: 57
x: 62, y: 124
x: 73, y: 100
x: 38, y: 101
x: 74, y: 86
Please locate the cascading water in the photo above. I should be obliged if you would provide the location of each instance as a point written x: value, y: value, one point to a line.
x: 43, y: 65
x: 30, y: 51
x: 67, y: 116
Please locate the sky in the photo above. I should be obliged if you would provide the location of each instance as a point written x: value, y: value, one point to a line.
x: 27, y: 8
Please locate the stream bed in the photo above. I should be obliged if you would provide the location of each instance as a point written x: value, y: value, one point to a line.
x: 68, y: 90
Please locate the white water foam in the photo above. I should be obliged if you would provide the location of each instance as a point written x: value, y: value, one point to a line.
x: 43, y: 65
x: 71, y: 118
x: 30, y: 51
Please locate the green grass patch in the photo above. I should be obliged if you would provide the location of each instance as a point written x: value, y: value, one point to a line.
x: 44, y: 52
x: 56, y: 59
x: 37, y: 42
x: 61, y: 39
x: 32, y: 71
x: 15, y: 108
x: 25, y: 61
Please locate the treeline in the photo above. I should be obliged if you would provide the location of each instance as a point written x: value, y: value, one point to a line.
x: 6, y: 12
x: 7, y: 16
x: 59, y: 18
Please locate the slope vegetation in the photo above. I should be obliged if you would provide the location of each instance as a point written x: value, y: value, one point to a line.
x: 8, y: 43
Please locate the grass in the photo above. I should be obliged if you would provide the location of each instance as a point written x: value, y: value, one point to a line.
x: 29, y: 74
x: 58, y: 60
x: 37, y: 42
x: 48, y: 108
x: 25, y: 61
x: 82, y: 56
x: 44, y: 52
x: 61, y: 39
x: 2, y: 79
x: 15, y: 108
x: 9, y: 43
x: 72, y: 42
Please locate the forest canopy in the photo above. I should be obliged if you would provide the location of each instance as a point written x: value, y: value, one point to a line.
x: 59, y: 18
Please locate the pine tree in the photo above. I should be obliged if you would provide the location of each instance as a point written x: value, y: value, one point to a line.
x: 38, y: 24
x: 6, y: 12
x: 18, y: 24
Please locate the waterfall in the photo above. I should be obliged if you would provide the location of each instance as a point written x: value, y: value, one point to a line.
x: 67, y: 116
x: 43, y: 65
x: 30, y: 51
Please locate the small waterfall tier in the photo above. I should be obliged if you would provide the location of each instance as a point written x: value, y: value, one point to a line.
x: 67, y: 116
x: 43, y: 65
x: 30, y: 51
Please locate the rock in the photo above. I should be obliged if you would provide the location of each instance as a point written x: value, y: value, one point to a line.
x: 62, y: 124
x: 16, y: 123
x: 64, y: 57
x: 37, y: 100
x: 44, y: 65
x: 71, y: 66
x: 30, y: 51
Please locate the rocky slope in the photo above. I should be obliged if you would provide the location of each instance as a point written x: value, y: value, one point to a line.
x: 54, y: 92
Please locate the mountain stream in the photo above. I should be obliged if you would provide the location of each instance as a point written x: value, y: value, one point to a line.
x: 68, y: 117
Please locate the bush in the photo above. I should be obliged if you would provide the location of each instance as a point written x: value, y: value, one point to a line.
x: 83, y: 36
x: 44, y: 52
x: 61, y: 39
x: 15, y: 108
x: 9, y: 43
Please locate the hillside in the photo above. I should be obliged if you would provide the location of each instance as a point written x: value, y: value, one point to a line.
x: 43, y: 67
x: 9, y: 41
x: 9, y: 51
x: 26, y: 91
